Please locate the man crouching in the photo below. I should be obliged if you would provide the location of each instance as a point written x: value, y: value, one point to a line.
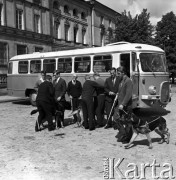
x: 45, y: 104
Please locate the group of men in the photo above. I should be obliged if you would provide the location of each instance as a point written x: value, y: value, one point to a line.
x: 95, y: 97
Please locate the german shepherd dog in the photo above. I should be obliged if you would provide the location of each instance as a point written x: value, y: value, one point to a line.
x: 156, y: 123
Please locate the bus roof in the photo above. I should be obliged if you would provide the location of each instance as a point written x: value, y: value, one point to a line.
x: 114, y: 47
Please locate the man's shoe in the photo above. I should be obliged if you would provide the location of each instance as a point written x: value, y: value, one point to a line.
x: 91, y: 129
x: 51, y: 128
x: 108, y: 126
x: 99, y: 126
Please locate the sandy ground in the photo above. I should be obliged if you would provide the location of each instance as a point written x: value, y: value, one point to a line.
x: 75, y: 153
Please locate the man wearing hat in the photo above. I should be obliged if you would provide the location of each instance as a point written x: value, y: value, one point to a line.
x: 74, y: 91
x: 99, y: 100
x: 88, y: 91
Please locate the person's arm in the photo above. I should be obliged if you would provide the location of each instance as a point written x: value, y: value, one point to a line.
x: 128, y: 94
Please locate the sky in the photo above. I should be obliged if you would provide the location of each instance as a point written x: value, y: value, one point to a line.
x: 156, y: 8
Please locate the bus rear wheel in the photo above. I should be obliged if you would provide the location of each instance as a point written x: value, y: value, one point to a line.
x: 32, y: 98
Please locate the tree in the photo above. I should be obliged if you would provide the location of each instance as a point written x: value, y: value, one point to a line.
x: 166, y: 38
x: 137, y: 29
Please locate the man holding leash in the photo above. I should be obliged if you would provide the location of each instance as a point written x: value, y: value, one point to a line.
x: 59, y: 96
x: 124, y: 105
x: 74, y: 91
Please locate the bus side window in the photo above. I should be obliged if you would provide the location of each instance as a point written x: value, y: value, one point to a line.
x: 82, y: 64
x: 134, y: 61
x: 102, y: 63
x: 35, y: 66
x: 49, y: 65
x: 23, y: 67
x: 65, y: 65
x: 125, y: 61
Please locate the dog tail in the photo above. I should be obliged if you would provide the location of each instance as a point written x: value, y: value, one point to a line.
x: 34, y: 111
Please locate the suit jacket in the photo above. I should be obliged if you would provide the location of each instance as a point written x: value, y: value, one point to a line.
x: 89, y: 88
x: 46, y: 92
x: 110, y: 87
x: 59, y: 89
x: 125, y: 92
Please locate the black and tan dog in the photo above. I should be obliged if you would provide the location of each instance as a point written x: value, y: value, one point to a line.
x: 142, y: 126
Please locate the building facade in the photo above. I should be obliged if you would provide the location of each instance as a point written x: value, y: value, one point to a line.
x: 28, y: 26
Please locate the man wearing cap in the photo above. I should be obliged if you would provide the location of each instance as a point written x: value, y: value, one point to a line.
x: 99, y: 100
x: 74, y: 91
x: 88, y: 91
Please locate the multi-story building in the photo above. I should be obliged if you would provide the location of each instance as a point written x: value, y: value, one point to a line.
x: 28, y: 26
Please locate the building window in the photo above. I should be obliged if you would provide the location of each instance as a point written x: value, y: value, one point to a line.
x: 38, y: 2
x: 102, y: 39
x: 36, y: 23
x: 101, y: 20
x: 110, y: 23
x: 84, y: 36
x: 56, y: 27
x: 3, y: 54
x: 21, y: 49
x: 1, y: 15
x: 75, y: 12
x: 55, y: 5
x: 83, y: 15
x: 75, y: 34
x: 19, y: 19
x: 67, y: 27
x: 66, y: 9
x: 38, y: 49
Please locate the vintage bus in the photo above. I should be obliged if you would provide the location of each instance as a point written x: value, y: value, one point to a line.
x: 146, y: 65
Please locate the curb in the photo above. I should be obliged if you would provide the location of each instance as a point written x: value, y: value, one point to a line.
x: 10, y: 99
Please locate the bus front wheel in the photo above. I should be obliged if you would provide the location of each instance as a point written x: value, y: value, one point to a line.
x: 32, y: 97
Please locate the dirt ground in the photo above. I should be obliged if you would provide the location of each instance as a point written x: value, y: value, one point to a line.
x: 75, y: 153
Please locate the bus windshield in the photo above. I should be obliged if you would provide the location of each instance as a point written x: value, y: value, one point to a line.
x: 153, y: 62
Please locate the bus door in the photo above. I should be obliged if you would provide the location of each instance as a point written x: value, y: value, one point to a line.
x: 129, y: 61
x: 135, y: 78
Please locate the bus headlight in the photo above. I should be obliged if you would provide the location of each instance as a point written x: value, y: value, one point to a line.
x: 152, y: 90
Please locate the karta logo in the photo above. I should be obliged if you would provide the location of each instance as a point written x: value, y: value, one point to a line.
x: 113, y: 170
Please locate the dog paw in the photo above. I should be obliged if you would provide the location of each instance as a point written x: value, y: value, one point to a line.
x: 150, y: 147
x: 168, y: 138
x: 161, y: 141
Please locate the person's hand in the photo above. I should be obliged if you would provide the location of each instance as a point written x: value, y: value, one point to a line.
x: 59, y: 98
x: 121, y: 107
x: 111, y: 93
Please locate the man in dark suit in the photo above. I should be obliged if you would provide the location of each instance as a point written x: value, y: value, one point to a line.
x: 59, y: 95
x: 99, y: 100
x: 88, y: 91
x: 45, y: 103
x: 111, y: 89
x: 74, y: 91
